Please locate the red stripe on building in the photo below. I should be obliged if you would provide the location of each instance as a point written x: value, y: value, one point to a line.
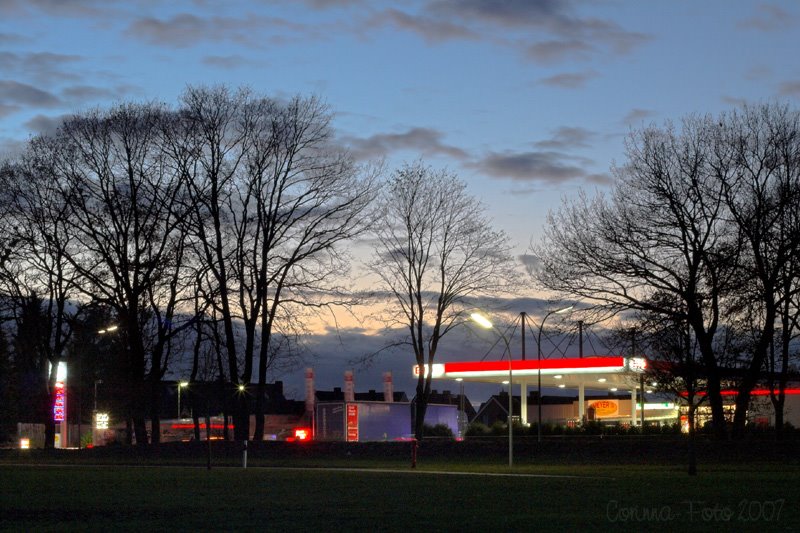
x: 586, y: 363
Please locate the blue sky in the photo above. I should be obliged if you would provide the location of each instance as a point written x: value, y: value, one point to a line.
x: 527, y: 101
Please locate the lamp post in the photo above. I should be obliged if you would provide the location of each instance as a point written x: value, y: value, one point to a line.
x: 462, y: 423
x: 539, y: 369
x: 96, y: 383
x: 486, y: 323
x: 181, y: 385
x: 105, y: 331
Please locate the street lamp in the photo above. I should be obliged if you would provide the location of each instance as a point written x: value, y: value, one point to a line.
x: 96, y: 383
x: 484, y: 322
x: 462, y: 418
x: 181, y: 385
x: 539, y: 368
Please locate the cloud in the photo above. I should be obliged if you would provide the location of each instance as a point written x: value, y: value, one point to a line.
x: 734, y: 101
x: 790, y: 88
x: 10, y: 148
x: 44, y: 67
x: 45, y: 124
x: 600, y: 178
x: 6, y: 110
x: 432, y: 30
x: 532, y: 263
x: 24, y: 94
x: 567, y: 137
x: 74, y: 8
x: 570, y: 34
x: 542, y: 166
x: 329, y: 4
x: 569, y: 80
x: 757, y: 73
x: 84, y: 93
x: 11, y: 38
x: 186, y: 29
x: 542, y: 30
x: 554, y: 51
x: 769, y: 18
x: 226, y: 62
x: 637, y: 115
x: 427, y: 141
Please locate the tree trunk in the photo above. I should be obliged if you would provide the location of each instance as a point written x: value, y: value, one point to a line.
x: 155, y: 417
x: 195, y: 415
x: 128, y: 431
x: 140, y: 430
x: 777, y: 405
x: 714, y: 391
x: 261, y: 389
x: 49, y: 423
x: 49, y: 434
x: 421, y: 405
x: 241, y: 416
x: 691, y: 442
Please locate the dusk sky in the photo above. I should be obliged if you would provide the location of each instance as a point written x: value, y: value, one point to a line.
x: 527, y: 101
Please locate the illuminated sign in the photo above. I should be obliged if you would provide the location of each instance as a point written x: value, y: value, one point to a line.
x: 637, y: 364
x: 60, y: 405
x: 24, y: 444
x: 656, y: 406
x: 101, y: 421
x: 352, y: 422
x: 604, y: 408
x: 437, y: 370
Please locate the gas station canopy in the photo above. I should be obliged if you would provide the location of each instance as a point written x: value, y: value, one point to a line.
x: 609, y: 373
x: 593, y: 372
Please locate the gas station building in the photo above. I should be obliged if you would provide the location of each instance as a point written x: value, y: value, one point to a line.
x: 612, y: 375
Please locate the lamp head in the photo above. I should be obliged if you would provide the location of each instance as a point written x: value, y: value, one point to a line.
x: 481, y: 320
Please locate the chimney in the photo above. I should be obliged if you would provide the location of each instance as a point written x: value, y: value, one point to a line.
x: 311, y: 392
x: 388, y: 387
x: 349, y: 386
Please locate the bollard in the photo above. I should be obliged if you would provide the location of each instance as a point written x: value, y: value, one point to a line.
x: 414, y: 453
x: 244, y: 455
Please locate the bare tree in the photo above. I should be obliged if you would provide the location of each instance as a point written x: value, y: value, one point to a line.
x: 661, y: 231
x: 757, y: 159
x: 36, y: 271
x: 674, y: 366
x: 698, y: 216
x: 126, y: 213
x: 275, y: 200
x: 435, y: 250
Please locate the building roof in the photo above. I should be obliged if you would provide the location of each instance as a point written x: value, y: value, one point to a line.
x: 337, y: 395
x: 596, y: 372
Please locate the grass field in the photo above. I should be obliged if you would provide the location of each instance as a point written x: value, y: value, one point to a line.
x: 72, y: 495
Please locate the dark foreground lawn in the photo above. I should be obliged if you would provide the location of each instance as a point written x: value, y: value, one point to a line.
x: 181, y: 498
x: 557, y: 485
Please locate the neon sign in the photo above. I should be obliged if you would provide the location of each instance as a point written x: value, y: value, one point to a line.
x: 603, y: 408
x: 637, y: 364
x: 352, y: 422
x: 437, y: 370
x: 101, y: 421
x: 60, y: 405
